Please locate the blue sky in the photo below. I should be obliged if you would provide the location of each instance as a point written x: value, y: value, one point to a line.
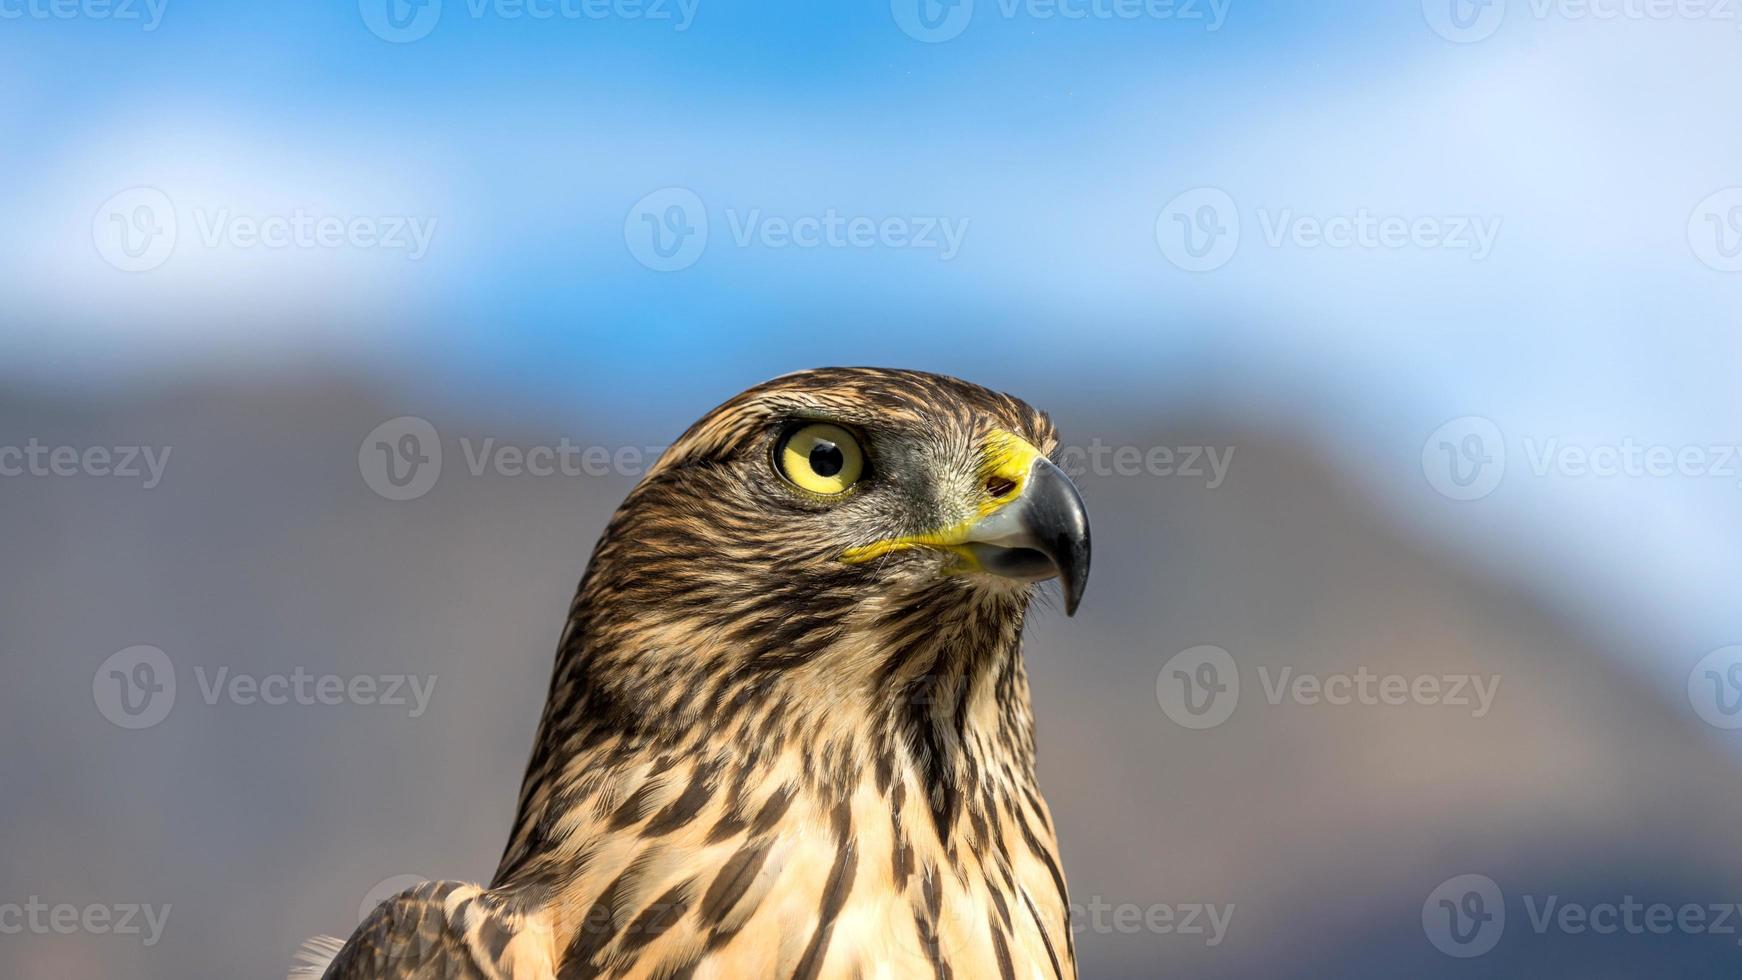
x: 1054, y: 145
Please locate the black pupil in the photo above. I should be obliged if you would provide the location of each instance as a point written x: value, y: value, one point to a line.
x: 826, y: 458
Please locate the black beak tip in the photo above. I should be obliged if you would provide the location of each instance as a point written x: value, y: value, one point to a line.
x: 1074, y: 576
x: 1062, y: 522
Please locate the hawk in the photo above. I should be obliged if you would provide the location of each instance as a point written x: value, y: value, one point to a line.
x: 788, y: 732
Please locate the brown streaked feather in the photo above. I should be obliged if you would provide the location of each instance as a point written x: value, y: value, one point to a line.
x: 444, y: 929
x: 756, y: 760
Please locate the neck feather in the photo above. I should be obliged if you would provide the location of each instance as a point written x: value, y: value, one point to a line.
x: 925, y: 689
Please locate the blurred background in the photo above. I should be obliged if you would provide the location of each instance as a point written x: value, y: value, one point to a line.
x: 1394, y: 344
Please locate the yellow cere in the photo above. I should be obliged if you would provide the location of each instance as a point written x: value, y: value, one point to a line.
x: 1005, y: 462
x: 822, y: 458
x: 1007, y: 459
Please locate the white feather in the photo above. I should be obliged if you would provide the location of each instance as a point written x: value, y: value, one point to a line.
x: 314, y: 957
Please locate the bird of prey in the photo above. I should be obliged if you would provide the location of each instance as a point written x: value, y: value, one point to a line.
x: 788, y: 732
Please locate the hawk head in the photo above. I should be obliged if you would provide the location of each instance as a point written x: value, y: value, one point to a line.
x: 840, y: 523
x: 835, y: 563
x: 849, y: 486
x: 890, y: 484
x: 797, y: 640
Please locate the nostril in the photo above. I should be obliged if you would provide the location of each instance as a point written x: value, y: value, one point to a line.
x: 999, y: 486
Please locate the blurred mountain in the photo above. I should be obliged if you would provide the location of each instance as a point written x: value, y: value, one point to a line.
x: 264, y: 551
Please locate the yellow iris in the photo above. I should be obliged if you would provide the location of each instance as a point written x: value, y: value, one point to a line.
x: 821, y: 458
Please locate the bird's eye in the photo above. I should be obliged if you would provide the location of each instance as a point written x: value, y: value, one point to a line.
x: 821, y: 458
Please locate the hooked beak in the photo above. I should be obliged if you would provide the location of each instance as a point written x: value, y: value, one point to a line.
x: 1034, y: 528
x: 1042, y: 533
